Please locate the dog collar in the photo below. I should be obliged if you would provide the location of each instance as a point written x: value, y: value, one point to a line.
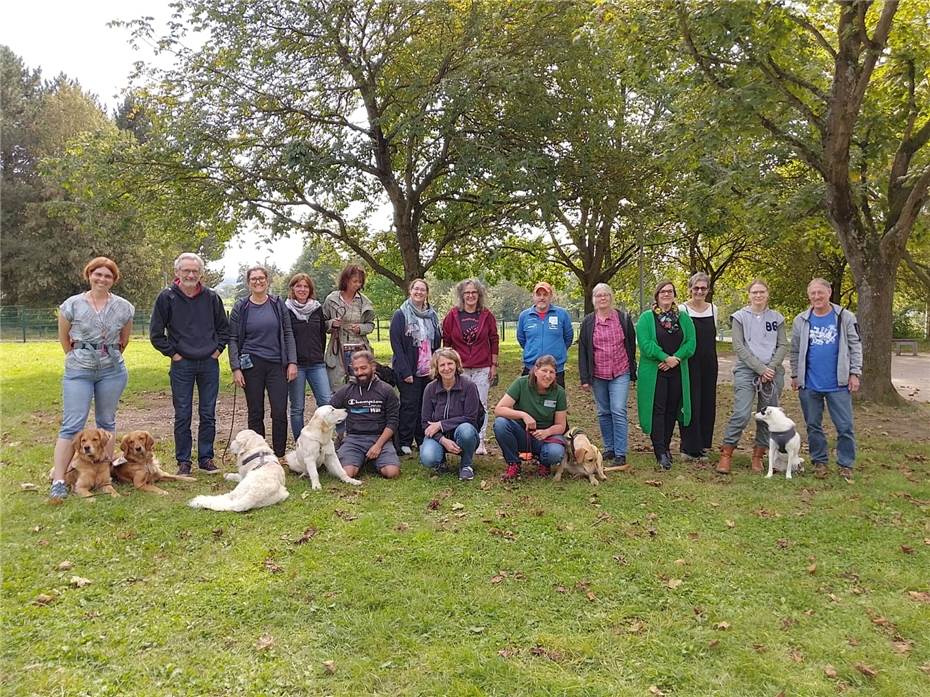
x: 254, y: 456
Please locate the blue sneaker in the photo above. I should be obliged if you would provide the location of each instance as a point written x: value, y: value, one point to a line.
x: 59, y: 490
x: 466, y: 473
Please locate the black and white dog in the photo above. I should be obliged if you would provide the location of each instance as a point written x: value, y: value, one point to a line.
x: 784, y: 441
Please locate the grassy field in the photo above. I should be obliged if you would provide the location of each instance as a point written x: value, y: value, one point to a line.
x: 685, y: 583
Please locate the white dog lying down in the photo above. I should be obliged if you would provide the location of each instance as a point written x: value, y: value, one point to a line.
x: 315, y: 447
x: 260, y: 479
x: 784, y: 442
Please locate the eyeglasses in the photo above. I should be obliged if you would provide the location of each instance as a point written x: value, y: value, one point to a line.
x: 257, y: 279
x: 700, y: 289
x: 667, y: 291
x: 470, y: 292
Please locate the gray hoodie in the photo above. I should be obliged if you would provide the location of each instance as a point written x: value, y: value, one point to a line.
x: 849, y: 361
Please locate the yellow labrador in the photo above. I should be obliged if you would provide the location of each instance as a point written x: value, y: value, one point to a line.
x: 582, y: 459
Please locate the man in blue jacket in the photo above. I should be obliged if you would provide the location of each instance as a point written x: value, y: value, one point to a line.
x: 544, y: 329
x: 189, y: 326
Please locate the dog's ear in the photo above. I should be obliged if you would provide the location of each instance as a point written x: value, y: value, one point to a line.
x: 76, y: 442
x: 105, y: 436
x: 124, y: 444
x: 149, y: 441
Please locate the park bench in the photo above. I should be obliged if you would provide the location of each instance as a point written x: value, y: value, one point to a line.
x: 900, y: 344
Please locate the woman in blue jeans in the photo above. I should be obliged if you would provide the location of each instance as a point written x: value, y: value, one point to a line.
x: 93, y: 329
x: 450, y: 415
x: 309, y: 329
x: 607, y: 366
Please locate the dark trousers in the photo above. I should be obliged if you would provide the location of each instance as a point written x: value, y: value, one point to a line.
x: 410, y: 428
x: 265, y: 375
x: 559, y: 377
x: 699, y: 434
x: 665, y: 406
x: 184, y: 374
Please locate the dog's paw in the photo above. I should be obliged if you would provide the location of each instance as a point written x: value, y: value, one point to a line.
x: 354, y: 482
x: 315, y: 486
x: 230, y: 477
x: 768, y: 476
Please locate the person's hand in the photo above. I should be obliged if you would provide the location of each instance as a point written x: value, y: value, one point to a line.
x: 177, y: 357
x: 238, y: 378
x: 663, y: 366
x: 586, y: 387
x: 408, y: 379
x: 529, y: 421
x: 794, y: 384
x: 450, y: 445
x: 336, y: 323
x: 215, y: 355
x: 768, y: 375
x: 355, y: 328
x: 432, y: 428
x: 291, y: 372
x: 373, y: 452
x: 672, y: 362
x: 854, y: 383
x: 540, y: 434
x: 492, y: 371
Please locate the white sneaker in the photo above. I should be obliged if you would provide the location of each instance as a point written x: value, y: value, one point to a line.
x: 405, y: 450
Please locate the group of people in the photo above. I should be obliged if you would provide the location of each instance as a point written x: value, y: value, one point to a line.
x: 443, y: 369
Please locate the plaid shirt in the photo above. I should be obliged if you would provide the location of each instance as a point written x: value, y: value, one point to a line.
x: 610, y: 359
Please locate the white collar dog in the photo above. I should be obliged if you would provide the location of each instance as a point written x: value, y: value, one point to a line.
x: 315, y: 447
x: 260, y: 481
x: 784, y: 441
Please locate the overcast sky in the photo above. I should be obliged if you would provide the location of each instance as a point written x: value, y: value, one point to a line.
x: 73, y: 37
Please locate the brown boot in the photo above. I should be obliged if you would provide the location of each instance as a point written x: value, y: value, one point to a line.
x: 758, y: 452
x: 726, y: 459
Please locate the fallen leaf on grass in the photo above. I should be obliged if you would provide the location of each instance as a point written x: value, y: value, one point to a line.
x: 693, y: 535
x: 636, y: 627
x: 907, y: 549
x: 866, y: 670
x: 852, y: 641
x: 830, y: 672
x: 458, y: 506
x: 43, y: 599
x: 402, y: 527
x: 812, y: 569
x: 304, y: 496
x: 925, y: 668
x: 590, y: 596
x: 433, y: 505
x: 881, y: 621
x: 673, y: 583
x: 680, y: 562
x: 902, y: 646
x: 306, y: 537
x: 713, y: 643
x: 28, y: 486
x: 37, y: 528
x: 620, y: 559
x: 506, y: 534
x: 508, y: 652
x: 65, y: 565
x: 782, y: 543
x: 561, y: 589
x: 497, y: 578
x: 265, y: 642
x: 730, y: 523
x: 722, y: 626
x: 654, y: 482
x: 42, y: 543
x: 345, y: 515
x: 79, y: 581
x: 273, y: 567
x: 654, y: 690
x: 548, y: 653
x: 926, y: 540
x: 477, y: 630
x: 760, y: 648
x: 796, y: 656
x: 329, y: 667
x: 484, y: 486
x: 919, y: 596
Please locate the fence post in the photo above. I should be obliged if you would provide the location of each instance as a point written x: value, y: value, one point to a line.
x: 503, y: 331
x: 22, y: 324
x: 378, y: 329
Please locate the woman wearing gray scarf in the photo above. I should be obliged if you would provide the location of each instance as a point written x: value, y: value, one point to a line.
x: 309, y: 329
x: 414, y: 336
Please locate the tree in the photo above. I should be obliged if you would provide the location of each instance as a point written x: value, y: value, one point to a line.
x: 841, y: 84
x: 351, y: 121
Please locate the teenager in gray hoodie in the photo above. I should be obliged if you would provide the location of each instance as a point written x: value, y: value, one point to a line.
x: 760, y: 344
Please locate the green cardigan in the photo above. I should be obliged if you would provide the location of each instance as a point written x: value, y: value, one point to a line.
x: 650, y: 355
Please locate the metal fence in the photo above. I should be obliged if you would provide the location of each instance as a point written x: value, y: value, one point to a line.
x: 22, y: 324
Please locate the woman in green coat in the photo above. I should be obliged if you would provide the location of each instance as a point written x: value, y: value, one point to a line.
x: 663, y: 393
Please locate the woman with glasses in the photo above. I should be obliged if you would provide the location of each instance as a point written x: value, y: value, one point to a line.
x: 471, y: 329
x: 350, y: 318
x: 262, y: 355
x: 663, y: 392
x: 309, y: 329
x: 698, y: 436
x: 760, y: 344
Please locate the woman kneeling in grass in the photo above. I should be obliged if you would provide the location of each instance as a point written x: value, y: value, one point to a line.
x: 531, y: 417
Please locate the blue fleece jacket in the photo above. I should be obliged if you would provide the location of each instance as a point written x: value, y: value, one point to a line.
x: 551, y: 334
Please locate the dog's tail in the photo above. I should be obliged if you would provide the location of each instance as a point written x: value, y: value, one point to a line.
x: 292, y: 464
x: 224, y: 502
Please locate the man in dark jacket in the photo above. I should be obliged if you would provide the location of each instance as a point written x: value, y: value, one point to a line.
x: 373, y: 408
x: 189, y: 326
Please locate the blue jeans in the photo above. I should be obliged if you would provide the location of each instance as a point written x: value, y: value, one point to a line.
x: 297, y: 393
x: 512, y: 437
x: 81, y: 385
x: 184, y: 374
x: 610, y: 397
x: 841, y: 413
x: 432, y: 454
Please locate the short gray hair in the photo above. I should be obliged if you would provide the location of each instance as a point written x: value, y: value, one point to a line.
x: 602, y: 286
x: 699, y: 276
x: 817, y: 281
x: 460, y: 292
x: 184, y: 256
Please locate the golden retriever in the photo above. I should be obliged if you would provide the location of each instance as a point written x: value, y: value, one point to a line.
x: 90, y: 465
x: 140, y: 467
x: 581, y: 459
x: 315, y: 447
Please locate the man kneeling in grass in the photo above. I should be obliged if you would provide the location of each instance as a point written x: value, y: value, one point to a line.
x: 374, y: 409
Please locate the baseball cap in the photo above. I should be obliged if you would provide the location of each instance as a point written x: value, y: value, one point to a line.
x: 542, y: 285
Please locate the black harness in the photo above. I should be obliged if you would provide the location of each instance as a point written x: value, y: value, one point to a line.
x: 254, y: 456
x: 782, y: 438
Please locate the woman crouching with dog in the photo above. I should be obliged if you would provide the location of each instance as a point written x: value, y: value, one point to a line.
x: 663, y: 394
x: 451, y: 414
x: 760, y: 344
x: 93, y: 329
x: 531, y: 418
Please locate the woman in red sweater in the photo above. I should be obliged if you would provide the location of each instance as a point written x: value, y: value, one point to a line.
x: 471, y: 329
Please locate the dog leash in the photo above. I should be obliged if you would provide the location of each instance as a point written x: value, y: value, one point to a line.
x: 232, y: 423
x: 765, y: 392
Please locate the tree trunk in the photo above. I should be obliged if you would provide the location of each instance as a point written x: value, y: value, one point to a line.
x: 875, y: 285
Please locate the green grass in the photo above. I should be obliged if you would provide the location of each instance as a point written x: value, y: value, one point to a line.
x: 533, y: 589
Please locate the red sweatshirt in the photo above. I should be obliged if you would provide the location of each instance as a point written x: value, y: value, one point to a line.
x: 478, y: 354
